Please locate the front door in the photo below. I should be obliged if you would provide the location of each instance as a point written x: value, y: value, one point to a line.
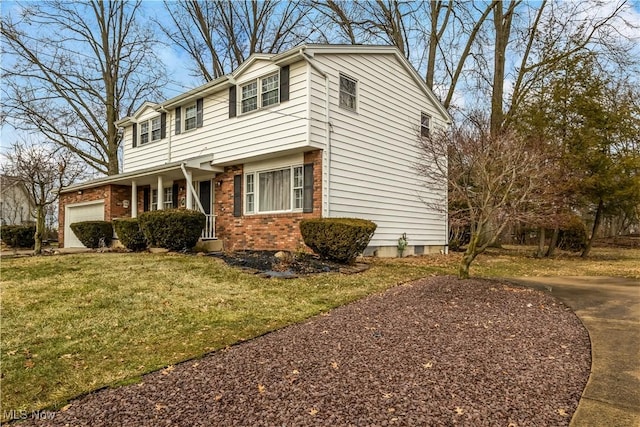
x: 205, y: 195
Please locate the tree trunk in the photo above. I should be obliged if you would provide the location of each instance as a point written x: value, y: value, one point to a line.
x: 468, y: 257
x: 37, y: 249
x: 594, y: 231
x: 541, y: 241
x: 554, y: 242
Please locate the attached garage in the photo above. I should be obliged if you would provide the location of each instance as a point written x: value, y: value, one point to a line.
x: 87, y: 211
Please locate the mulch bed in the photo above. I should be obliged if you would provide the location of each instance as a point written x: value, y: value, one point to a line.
x: 268, y: 264
x: 436, y: 352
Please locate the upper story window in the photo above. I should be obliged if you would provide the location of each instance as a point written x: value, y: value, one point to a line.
x: 249, y: 97
x: 144, y: 132
x: 269, y: 93
x: 150, y: 130
x: 425, y: 125
x: 270, y: 90
x: 190, y: 117
x: 155, y: 129
x: 348, y: 92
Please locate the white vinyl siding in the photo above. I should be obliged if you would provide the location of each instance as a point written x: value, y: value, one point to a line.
x: 261, y: 133
x: 372, y: 154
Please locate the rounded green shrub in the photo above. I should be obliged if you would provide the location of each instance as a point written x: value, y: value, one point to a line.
x: 93, y: 234
x: 18, y: 236
x: 173, y: 229
x: 337, y: 239
x: 573, y: 236
x: 129, y: 233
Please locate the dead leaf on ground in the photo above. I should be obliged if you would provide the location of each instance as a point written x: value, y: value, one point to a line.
x: 313, y: 411
x: 459, y: 410
x: 261, y: 388
x: 562, y: 412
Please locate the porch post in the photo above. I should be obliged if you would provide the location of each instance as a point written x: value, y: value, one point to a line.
x: 189, y: 195
x: 160, y: 193
x: 134, y: 199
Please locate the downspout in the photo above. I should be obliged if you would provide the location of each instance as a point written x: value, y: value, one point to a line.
x: 191, y: 188
x: 327, y: 125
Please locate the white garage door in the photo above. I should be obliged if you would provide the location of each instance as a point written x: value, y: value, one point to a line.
x: 90, y: 211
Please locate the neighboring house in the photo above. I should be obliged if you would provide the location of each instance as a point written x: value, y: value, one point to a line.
x: 15, y: 205
x: 316, y: 131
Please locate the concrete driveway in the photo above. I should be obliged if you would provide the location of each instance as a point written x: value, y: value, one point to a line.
x: 610, y: 310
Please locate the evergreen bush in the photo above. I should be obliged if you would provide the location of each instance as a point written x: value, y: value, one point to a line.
x: 173, y: 229
x: 129, y: 233
x: 93, y: 234
x: 573, y: 236
x: 337, y: 239
x: 18, y: 236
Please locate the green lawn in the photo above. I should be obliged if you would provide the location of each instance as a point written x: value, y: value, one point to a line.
x: 75, y: 323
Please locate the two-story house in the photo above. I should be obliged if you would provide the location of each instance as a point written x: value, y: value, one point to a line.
x: 316, y: 131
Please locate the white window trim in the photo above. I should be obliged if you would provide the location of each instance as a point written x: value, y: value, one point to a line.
x: 256, y: 191
x: 259, y: 94
x: 355, y: 95
x: 184, y: 117
x: 149, y: 124
x: 422, y: 126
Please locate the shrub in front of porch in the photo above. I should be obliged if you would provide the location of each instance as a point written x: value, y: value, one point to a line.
x: 337, y: 239
x: 18, y: 236
x: 129, y: 233
x: 93, y: 234
x: 173, y: 229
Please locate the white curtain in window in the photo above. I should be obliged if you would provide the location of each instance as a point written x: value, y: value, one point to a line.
x: 275, y: 190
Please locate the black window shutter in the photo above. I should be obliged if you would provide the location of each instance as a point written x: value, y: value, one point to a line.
x: 199, y: 112
x: 163, y: 125
x: 232, y: 102
x: 178, y: 119
x: 146, y: 198
x: 284, y: 83
x: 307, y: 196
x: 174, y: 195
x: 135, y: 135
x: 237, y: 195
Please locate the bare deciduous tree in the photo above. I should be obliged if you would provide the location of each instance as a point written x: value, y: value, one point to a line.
x: 71, y: 69
x: 219, y: 35
x: 493, y: 180
x: 43, y: 169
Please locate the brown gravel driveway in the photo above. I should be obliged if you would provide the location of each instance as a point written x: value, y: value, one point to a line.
x: 436, y: 352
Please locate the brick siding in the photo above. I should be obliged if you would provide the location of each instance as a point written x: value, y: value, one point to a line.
x: 270, y: 232
x: 113, y: 196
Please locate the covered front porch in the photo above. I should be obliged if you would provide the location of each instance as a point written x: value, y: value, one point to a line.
x: 187, y: 185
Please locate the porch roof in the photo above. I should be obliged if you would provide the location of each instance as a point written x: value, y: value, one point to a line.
x: 170, y: 171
